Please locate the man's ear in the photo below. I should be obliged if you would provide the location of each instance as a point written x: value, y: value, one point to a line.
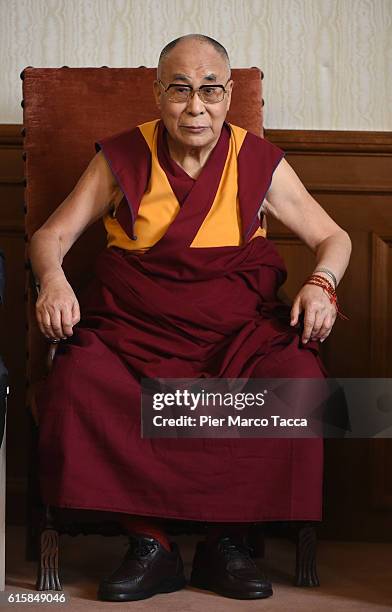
x: 229, y: 89
x: 157, y: 93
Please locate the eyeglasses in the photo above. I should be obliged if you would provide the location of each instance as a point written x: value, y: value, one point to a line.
x: 208, y: 94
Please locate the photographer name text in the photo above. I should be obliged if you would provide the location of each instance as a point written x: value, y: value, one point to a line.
x: 227, y: 421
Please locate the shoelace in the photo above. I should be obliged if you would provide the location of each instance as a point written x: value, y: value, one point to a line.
x: 234, y: 550
x: 140, y: 548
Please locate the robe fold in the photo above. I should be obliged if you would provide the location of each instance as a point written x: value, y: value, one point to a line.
x: 187, y: 288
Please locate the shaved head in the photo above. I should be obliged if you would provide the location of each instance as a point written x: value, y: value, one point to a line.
x: 188, y: 64
x: 201, y: 38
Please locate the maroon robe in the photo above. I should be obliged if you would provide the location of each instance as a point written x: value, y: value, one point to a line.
x: 178, y: 312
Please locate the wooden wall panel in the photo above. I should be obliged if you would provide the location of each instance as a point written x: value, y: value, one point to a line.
x: 381, y: 305
x: 350, y: 174
x: 381, y: 361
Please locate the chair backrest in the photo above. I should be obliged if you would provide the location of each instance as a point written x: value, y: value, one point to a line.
x: 65, y: 111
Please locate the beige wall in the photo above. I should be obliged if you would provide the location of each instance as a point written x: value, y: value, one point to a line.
x: 327, y: 63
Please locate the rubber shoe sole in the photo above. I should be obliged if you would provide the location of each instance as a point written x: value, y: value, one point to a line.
x: 169, y: 585
x: 203, y: 583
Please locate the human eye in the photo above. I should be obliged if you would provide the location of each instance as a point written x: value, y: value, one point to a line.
x: 180, y: 88
x: 209, y: 90
x: 211, y: 93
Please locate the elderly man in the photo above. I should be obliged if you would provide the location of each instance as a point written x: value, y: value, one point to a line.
x: 186, y: 288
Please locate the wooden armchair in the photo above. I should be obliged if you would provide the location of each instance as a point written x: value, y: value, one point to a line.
x: 65, y: 111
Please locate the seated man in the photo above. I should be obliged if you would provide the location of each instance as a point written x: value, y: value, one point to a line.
x: 186, y: 289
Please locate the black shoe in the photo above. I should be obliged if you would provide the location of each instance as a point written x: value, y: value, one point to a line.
x: 226, y: 568
x: 147, y: 569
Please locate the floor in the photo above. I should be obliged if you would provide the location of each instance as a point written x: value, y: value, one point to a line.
x: 354, y: 576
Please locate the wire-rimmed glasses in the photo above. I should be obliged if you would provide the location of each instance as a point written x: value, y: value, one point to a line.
x: 208, y: 94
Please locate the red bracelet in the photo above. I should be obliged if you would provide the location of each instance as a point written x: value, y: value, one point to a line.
x: 327, y: 287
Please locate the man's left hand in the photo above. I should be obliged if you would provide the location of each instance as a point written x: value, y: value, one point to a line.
x: 319, y: 313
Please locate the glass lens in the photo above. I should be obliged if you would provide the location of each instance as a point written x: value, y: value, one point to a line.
x: 211, y: 94
x: 178, y: 93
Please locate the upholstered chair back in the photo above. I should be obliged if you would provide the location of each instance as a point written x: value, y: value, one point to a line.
x: 65, y: 111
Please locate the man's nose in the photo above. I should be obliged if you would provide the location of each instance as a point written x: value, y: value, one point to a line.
x: 195, y: 106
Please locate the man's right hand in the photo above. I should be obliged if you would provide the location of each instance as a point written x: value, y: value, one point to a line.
x: 57, y: 307
x: 94, y: 195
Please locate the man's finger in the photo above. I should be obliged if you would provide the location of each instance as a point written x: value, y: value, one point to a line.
x: 326, y: 328
x: 308, y: 325
x: 295, y: 312
x: 66, y: 320
x: 40, y: 321
x: 57, y: 328
x: 75, y: 312
x: 46, y: 324
x: 318, y: 323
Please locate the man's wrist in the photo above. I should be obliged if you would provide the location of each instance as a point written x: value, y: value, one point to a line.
x: 49, y: 277
x: 327, y: 274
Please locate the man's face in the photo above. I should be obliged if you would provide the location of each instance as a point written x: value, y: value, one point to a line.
x: 193, y: 123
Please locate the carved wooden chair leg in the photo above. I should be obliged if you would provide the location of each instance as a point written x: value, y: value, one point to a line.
x: 48, y: 576
x: 256, y: 540
x: 34, y: 503
x: 305, y: 570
